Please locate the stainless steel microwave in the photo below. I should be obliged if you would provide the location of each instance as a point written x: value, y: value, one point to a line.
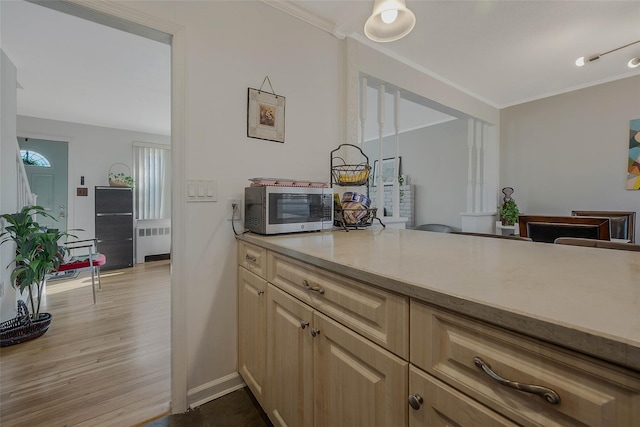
x: 276, y: 210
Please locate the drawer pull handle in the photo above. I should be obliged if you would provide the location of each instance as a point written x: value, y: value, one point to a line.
x: 548, y: 394
x: 251, y: 258
x: 318, y: 289
x: 315, y: 332
x: 304, y: 324
x: 260, y: 292
x: 415, y: 401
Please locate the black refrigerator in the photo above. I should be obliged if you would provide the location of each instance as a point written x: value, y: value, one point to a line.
x: 114, y: 225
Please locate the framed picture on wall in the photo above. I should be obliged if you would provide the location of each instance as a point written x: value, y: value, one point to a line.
x: 265, y: 115
x: 386, y: 171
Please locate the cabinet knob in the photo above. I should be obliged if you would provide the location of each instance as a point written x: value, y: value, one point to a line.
x: 304, y: 324
x: 250, y: 258
x: 315, y: 332
x: 260, y: 292
x: 415, y: 401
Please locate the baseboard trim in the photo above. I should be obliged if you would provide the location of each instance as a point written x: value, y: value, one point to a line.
x: 212, y: 390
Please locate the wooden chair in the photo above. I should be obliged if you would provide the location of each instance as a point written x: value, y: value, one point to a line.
x: 541, y: 228
x: 592, y: 243
x: 623, y: 223
x: 90, y: 259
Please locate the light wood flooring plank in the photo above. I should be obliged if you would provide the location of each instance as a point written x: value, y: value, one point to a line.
x: 97, y: 365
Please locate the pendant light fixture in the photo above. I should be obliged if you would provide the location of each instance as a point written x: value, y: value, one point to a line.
x: 390, y: 21
x: 633, y: 63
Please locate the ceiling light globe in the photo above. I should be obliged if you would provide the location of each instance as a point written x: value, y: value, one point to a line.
x: 634, y: 62
x: 580, y: 61
x: 389, y: 16
x: 390, y: 21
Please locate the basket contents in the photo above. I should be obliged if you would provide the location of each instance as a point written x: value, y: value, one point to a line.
x: 353, y: 175
x: 354, y: 206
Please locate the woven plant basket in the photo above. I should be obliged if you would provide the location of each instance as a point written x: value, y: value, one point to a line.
x: 114, y: 182
x: 21, y: 328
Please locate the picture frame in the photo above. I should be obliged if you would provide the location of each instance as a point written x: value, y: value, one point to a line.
x: 387, y: 170
x: 265, y: 115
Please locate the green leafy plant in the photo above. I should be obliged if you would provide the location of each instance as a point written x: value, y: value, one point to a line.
x: 121, y: 177
x: 38, y: 252
x: 509, y: 212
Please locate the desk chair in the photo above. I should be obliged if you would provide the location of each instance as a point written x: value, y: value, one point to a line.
x: 623, y: 223
x: 90, y: 259
x: 545, y: 228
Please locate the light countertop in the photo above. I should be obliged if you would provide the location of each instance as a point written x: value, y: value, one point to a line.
x: 586, y: 299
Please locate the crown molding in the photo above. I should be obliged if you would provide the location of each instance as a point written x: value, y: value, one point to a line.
x: 296, y: 11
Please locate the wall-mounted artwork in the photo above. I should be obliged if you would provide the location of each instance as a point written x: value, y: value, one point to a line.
x: 387, y: 170
x: 633, y: 170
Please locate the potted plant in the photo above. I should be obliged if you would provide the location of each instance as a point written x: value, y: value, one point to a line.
x: 120, y: 180
x: 509, y: 212
x: 38, y: 253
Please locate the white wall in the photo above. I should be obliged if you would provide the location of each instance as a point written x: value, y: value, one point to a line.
x: 231, y: 46
x: 92, y: 151
x: 8, y: 190
x: 570, y: 151
x: 435, y: 158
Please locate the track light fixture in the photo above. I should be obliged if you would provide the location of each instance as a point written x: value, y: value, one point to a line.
x: 633, y: 63
x: 390, y: 21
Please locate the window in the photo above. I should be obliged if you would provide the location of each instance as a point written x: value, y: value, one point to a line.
x: 33, y: 158
x: 152, y: 175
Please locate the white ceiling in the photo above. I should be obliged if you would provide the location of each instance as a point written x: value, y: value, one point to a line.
x: 502, y: 52
x: 73, y: 70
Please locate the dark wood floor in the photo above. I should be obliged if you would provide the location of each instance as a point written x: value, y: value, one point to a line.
x: 237, y: 409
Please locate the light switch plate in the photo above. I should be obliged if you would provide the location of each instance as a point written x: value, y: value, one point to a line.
x: 202, y: 190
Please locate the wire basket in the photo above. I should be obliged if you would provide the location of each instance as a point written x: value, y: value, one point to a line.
x: 21, y: 328
x: 353, y: 175
x: 355, y: 218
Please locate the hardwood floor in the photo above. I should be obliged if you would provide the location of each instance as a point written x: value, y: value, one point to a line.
x: 106, y: 364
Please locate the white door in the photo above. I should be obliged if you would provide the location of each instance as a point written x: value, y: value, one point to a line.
x: 49, y: 183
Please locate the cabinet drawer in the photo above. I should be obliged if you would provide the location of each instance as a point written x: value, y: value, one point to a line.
x: 443, y: 406
x: 591, y: 392
x: 253, y: 258
x: 381, y: 316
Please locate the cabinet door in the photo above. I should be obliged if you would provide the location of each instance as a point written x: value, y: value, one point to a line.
x: 357, y: 383
x: 289, y: 360
x: 252, y: 331
x: 442, y: 406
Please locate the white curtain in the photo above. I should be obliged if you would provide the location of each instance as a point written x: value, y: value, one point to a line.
x: 152, y: 174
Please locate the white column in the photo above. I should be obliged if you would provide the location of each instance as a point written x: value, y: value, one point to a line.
x: 396, y: 169
x: 470, y: 165
x: 478, y: 138
x: 363, y: 110
x: 380, y: 189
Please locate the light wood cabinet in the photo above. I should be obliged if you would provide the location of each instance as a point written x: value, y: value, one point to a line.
x: 356, y: 383
x: 373, y: 349
x: 252, y: 331
x: 439, y: 405
x: 253, y: 258
x: 381, y: 316
x: 570, y: 389
x: 312, y: 358
x: 289, y: 360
